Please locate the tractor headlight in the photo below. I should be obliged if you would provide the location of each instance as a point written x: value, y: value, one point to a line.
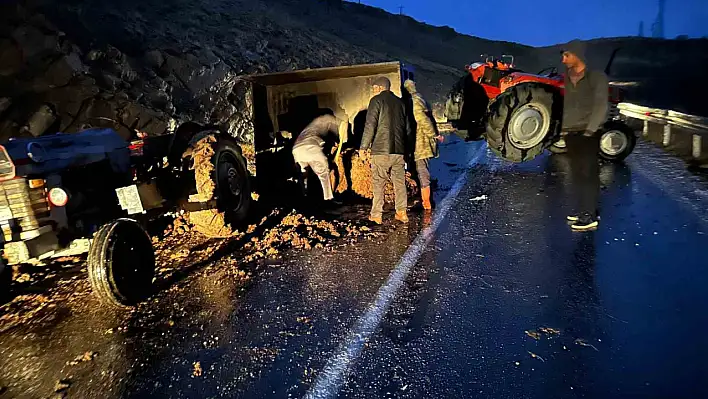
x: 58, y: 196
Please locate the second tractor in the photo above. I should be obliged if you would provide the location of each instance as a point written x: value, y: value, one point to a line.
x: 520, y: 114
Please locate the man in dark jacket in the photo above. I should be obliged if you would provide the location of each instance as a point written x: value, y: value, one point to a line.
x: 386, y: 133
x: 584, y: 112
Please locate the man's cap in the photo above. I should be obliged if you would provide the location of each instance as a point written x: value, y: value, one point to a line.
x: 410, y: 86
x: 576, y: 47
x: 382, y: 81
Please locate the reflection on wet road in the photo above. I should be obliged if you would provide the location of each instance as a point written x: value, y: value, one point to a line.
x: 505, y: 301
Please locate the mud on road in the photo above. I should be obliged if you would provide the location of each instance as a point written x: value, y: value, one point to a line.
x: 57, y: 339
x: 46, y: 296
x: 180, y: 251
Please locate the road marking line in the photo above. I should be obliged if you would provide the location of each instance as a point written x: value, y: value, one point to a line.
x: 333, y: 375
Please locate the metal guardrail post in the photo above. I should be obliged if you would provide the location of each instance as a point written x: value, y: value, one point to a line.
x: 667, y: 135
x: 654, y: 118
x: 697, y: 146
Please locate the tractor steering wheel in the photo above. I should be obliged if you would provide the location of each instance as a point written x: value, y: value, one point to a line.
x: 549, y: 72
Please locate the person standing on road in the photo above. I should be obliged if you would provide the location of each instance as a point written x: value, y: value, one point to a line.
x: 386, y: 132
x: 584, y: 112
x: 308, y: 153
x: 426, y: 141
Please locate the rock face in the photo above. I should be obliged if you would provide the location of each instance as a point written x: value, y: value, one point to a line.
x: 53, y: 85
x: 144, y: 66
x: 149, y: 65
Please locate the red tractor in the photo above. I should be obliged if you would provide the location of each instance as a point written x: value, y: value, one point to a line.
x: 519, y: 114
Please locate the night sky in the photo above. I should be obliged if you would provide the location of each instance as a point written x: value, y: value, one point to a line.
x: 542, y: 23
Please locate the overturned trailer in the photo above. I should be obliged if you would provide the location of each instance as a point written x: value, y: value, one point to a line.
x: 285, y: 102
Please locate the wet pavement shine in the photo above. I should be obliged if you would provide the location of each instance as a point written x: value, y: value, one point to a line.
x: 504, y: 301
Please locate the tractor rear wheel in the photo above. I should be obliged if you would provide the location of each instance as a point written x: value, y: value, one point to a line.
x: 220, y: 173
x: 617, y: 141
x: 121, y: 264
x: 521, y: 121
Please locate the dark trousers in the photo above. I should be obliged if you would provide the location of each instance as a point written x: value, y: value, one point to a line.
x: 584, y: 172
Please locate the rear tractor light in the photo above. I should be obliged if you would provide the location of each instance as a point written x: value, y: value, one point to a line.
x: 36, y: 183
x: 58, y: 197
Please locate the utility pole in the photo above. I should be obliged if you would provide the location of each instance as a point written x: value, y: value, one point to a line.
x: 641, y: 28
x: 400, y: 10
x: 657, y: 28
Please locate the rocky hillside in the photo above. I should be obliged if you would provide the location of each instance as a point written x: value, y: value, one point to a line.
x: 147, y: 65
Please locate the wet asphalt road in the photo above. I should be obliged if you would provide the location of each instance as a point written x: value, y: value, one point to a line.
x: 505, y: 301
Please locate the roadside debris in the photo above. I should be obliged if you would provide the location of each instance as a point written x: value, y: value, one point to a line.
x: 22, y: 309
x: 86, y: 357
x: 533, y: 334
x: 479, y: 198
x: 197, y: 370
x: 583, y: 342
x: 535, y: 356
x: 549, y: 330
x: 62, y: 385
x: 536, y: 334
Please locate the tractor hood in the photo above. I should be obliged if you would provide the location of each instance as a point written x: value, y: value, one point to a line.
x: 40, y: 156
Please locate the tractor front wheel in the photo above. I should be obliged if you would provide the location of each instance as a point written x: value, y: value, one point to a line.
x: 522, y: 120
x: 121, y: 264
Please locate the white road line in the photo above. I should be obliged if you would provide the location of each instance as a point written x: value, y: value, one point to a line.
x: 333, y: 376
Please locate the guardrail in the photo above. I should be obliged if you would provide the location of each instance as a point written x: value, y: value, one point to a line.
x: 669, y: 121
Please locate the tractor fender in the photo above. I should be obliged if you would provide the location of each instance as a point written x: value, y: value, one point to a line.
x: 205, y: 132
x: 186, y: 135
x: 524, y: 78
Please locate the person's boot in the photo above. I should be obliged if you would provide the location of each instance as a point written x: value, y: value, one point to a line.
x: 376, y: 219
x: 425, y: 195
x: 401, y: 216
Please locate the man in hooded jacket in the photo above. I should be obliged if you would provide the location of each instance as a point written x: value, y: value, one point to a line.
x: 426, y: 141
x: 584, y: 112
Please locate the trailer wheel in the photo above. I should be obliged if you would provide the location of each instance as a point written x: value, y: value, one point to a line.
x: 121, y: 264
x: 617, y: 141
x: 522, y: 120
x: 220, y: 173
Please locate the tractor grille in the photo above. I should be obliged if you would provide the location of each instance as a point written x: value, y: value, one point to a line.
x: 614, y: 112
x: 22, y: 209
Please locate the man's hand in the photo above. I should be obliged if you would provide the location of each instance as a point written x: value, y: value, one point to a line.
x: 440, y: 138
